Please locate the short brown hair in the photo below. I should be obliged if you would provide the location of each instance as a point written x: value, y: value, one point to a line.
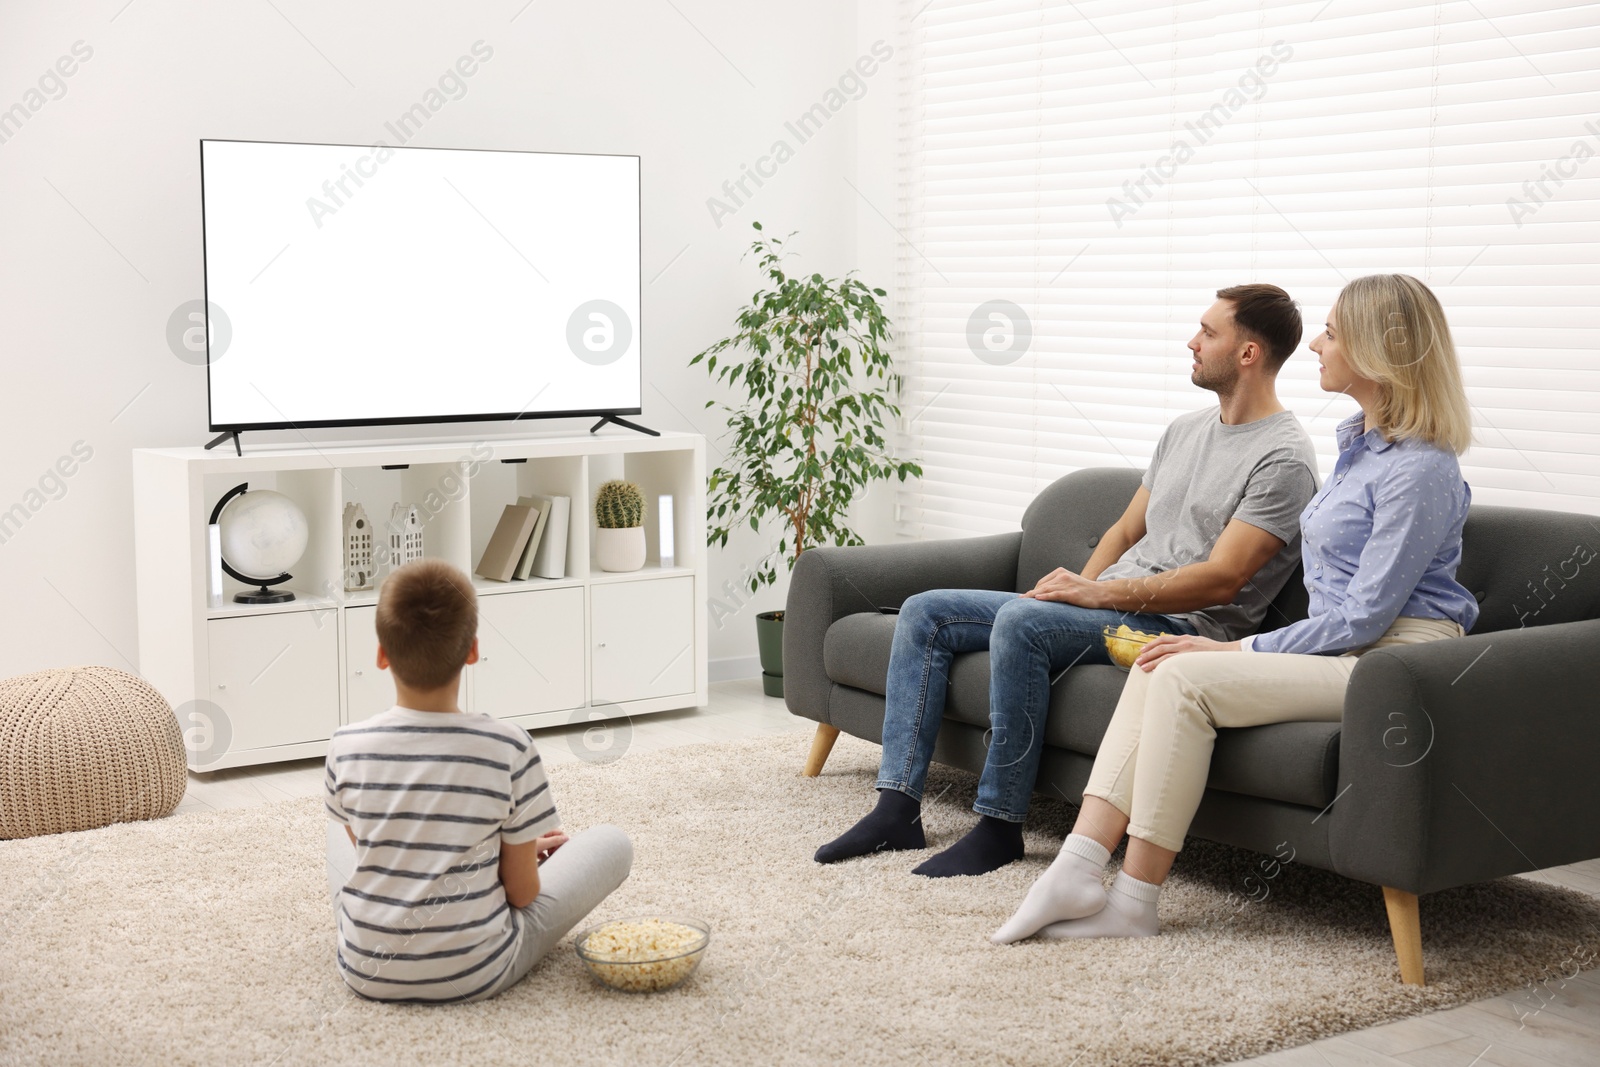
x: 1269, y: 316
x: 427, y: 619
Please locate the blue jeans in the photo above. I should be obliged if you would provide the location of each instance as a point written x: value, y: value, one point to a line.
x: 1030, y: 643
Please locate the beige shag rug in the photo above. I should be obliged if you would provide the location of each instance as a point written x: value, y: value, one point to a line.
x: 207, y: 938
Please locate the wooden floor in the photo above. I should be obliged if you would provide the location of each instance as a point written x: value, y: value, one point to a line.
x: 1557, y: 1025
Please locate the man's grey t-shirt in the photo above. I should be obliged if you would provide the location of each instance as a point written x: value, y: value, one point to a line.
x: 1205, y: 473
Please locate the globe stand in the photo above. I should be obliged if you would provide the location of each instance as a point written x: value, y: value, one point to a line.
x: 262, y: 595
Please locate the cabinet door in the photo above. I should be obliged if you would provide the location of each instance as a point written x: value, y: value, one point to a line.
x: 530, y: 652
x: 643, y: 634
x: 368, y: 690
x: 275, y: 677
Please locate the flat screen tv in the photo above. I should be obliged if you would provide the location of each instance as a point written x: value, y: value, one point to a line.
x: 351, y: 285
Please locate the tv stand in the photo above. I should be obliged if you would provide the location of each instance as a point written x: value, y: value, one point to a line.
x: 623, y: 422
x: 255, y: 683
x: 223, y: 436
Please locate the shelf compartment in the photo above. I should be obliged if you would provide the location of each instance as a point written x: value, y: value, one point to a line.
x: 318, y: 575
x: 439, y: 493
x: 368, y: 690
x: 530, y: 655
x: 275, y: 678
x: 496, y: 485
x: 669, y: 472
x: 642, y: 639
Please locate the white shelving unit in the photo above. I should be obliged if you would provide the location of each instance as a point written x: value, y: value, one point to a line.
x: 276, y: 680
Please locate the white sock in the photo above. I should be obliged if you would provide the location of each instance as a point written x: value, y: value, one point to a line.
x: 1130, y: 911
x: 1068, y: 889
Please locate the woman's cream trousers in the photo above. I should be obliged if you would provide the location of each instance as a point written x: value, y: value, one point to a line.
x: 1156, y: 754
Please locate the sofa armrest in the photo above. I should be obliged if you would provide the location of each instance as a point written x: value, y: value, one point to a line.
x: 1469, y: 759
x: 832, y: 581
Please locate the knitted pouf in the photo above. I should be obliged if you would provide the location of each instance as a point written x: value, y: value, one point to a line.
x: 83, y: 747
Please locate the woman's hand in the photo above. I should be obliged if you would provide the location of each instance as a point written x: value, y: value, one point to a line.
x: 546, y: 844
x: 1174, y: 644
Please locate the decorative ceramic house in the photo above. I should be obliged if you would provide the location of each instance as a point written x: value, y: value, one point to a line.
x: 357, y: 548
x: 405, y: 534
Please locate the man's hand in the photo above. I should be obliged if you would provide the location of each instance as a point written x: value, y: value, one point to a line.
x: 546, y: 844
x: 1068, y: 587
x: 1175, y: 644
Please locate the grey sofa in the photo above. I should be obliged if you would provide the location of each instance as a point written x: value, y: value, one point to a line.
x: 1456, y: 761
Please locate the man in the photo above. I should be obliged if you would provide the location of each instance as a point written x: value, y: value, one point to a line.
x: 1208, y: 540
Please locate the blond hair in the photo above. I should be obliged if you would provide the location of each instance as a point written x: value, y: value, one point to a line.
x: 427, y: 619
x: 1392, y: 331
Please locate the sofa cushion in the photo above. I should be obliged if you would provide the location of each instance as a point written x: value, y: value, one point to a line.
x: 855, y: 650
x: 1293, y: 762
x: 1529, y: 567
x: 1296, y: 762
x: 1064, y: 522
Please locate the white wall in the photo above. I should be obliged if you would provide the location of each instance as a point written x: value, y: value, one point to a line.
x: 102, y: 221
x: 877, y: 214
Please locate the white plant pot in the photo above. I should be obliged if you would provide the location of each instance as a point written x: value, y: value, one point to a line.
x: 619, y: 549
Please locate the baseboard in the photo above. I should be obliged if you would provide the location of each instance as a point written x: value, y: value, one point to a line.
x: 729, y: 668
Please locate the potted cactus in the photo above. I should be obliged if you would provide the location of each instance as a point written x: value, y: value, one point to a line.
x: 619, y: 518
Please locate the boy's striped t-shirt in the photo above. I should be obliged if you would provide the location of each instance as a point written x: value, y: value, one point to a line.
x: 430, y: 796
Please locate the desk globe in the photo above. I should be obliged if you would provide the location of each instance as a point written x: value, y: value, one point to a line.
x: 264, y: 533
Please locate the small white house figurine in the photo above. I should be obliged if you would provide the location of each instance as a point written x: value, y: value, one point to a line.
x: 405, y: 535
x: 357, y: 548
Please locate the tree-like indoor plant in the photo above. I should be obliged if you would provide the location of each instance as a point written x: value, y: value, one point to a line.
x: 810, y: 430
x: 619, y: 522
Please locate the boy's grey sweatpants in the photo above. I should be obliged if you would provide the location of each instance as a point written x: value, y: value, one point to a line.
x: 572, y: 883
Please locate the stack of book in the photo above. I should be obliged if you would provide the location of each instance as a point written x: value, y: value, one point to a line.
x: 530, y: 540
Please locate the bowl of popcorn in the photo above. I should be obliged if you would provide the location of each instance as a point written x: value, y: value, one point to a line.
x: 643, y: 954
x: 1123, y: 644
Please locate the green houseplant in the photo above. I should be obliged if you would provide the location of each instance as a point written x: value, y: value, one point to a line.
x: 619, y: 521
x: 809, y: 432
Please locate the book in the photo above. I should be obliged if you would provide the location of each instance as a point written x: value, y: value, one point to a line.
x: 511, y: 533
x: 550, y: 561
x: 542, y: 506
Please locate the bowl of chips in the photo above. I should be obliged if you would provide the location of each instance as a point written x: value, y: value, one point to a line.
x: 643, y: 953
x: 1123, y: 644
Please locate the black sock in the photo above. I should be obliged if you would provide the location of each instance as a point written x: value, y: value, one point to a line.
x: 894, y: 824
x: 988, y: 846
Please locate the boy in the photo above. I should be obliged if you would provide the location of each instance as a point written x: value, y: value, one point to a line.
x: 440, y: 821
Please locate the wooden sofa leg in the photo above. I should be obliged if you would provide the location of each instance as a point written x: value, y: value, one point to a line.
x: 821, y: 744
x: 1407, y: 933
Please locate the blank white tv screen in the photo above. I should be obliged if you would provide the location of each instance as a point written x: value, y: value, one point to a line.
x: 359, y: 285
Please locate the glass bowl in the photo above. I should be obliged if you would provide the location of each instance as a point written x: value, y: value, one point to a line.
x: 1124, y: 644
x: 630, y: 954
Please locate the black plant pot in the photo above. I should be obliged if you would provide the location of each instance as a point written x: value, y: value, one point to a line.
x: 769, y: 639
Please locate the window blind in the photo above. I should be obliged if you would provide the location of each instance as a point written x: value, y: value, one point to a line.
x: 1076, y: 180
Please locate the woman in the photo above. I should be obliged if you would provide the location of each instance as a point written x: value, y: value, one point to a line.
x: 1381, y: 542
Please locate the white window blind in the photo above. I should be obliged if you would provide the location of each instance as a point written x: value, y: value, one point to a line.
x: 1106, y: 165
